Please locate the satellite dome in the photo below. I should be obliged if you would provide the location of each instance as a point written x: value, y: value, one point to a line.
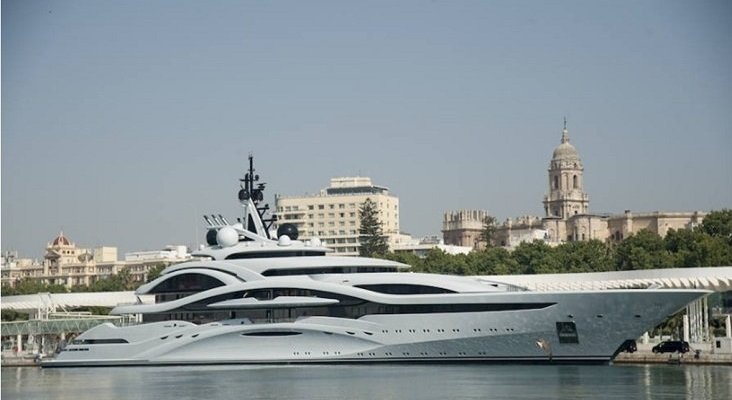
x: 211, y: 237
x: 284, y: 240
x: 227, y: 236
x: 288, y: 230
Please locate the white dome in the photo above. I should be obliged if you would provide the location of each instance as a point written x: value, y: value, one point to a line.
x: 227, y: 236
x: 565, y: 151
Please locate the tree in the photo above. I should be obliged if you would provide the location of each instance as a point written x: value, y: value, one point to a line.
x: 494, y: 261
x: 642, y: 250
x: 719, y: 224
x: 487, y: 235
x: 154, y: 272
x: 33, y: 286
x: 590, y: 256
x: 695, y: 248
x: 535, y: 258
x: 371, y: 236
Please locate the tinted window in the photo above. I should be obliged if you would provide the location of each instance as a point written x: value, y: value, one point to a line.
x: 391, y: 288
x: 324, y: 270
x: 273, y: 254
x: 187, y: 283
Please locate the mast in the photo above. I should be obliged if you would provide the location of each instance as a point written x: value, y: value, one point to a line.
x: 256, y: 195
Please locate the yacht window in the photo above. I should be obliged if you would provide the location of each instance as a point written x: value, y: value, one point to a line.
x: 393, y: 288
x: 274, y: 254
x: 324, y: 270
x: 187, y: 283
x: 99, y: 341
x: 272, y: 333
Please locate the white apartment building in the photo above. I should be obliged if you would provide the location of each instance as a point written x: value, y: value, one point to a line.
x: 332, y: 214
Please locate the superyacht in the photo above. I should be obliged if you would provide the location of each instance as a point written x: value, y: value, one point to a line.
x: 250, y: 298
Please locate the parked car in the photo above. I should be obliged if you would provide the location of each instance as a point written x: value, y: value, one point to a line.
x: 671, y: 346
x: 629, y: 346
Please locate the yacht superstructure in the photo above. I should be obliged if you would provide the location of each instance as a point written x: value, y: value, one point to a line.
x: 253, y: 299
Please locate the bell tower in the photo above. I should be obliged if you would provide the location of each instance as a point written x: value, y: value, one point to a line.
x: 566, y: 196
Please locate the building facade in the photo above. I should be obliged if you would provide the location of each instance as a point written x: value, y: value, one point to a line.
x: 566, y: 195
x: 567, y: 215
x: 332, y: 215
x: 463, y: 228
x: 66, y: 264
x: 421, y: 247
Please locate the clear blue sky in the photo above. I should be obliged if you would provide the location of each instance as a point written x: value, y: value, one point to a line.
x: 124, y: 121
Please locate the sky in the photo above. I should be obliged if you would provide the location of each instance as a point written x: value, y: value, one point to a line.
x: 124, y: 121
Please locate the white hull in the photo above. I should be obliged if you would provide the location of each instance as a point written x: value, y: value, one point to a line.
x: 603, y: 319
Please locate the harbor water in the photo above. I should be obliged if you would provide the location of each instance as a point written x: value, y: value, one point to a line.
x: 372, y: 381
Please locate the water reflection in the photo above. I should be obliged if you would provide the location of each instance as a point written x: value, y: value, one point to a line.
x: 382, y: 381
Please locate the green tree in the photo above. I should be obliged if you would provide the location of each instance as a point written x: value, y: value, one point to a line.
x: 371, y: 236
x: 494, y: 261
x: 121, y: 281
x: 438, y: 262
x: 589, y: 256
x: 154, y: 272
x: 719, y: 224
x: 488, y: 233
x: 695, y: 248
x: 642, y: 250
x: 405, y: 258
x: 32, y: 286
x: 535, y: 258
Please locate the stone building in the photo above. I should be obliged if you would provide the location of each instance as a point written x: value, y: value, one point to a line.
x: 463, y: 227
x: 66, y: 264
x: 567, y: 215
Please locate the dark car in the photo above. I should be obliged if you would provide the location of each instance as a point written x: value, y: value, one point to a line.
x: 629, y: 345
x: 671, y: 346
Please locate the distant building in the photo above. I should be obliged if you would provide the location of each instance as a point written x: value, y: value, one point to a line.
x: 420, y: 247
x: 463, y: 228
x: 332, y: 214
x: 66, y: 264
x: 566, y: 207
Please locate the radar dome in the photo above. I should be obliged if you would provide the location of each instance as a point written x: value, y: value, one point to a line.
x: 211, y: 237
x: 227, y: 236
x: 288, y: 230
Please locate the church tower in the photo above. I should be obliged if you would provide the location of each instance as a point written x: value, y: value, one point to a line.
x: 566, y: 184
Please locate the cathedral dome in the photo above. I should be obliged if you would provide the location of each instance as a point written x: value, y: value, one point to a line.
x: 61, y: 240
x: 565, y: 151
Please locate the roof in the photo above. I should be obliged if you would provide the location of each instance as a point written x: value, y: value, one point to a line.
x: 61, y: 240
x: 30, y: 303
x: 565, y: 151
